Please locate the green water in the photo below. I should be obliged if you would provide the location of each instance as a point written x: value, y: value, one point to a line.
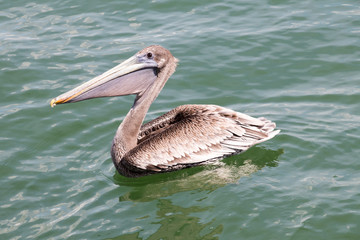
x: 294, y: 62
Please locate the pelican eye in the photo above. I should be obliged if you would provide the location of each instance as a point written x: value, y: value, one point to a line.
x: 149, y: 55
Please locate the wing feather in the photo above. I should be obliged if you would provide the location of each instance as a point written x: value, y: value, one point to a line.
x: 195, y: 134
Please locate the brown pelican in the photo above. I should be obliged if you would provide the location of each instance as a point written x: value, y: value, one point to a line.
x: 189, y: 135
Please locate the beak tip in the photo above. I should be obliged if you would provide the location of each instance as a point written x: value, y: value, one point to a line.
x: 53, y: 103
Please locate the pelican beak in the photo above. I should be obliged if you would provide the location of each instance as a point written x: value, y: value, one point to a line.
x: 130, y: 77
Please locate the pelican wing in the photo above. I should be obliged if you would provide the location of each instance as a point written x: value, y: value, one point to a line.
x: 196, y: 134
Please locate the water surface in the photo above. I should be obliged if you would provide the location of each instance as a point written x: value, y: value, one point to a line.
x: 296, y: 63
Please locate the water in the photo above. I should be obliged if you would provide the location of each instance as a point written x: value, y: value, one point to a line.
x: 294, y: 62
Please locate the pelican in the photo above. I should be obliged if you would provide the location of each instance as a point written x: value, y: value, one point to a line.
x: 187, y: 136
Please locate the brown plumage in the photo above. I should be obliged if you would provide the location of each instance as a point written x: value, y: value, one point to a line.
x: 186, y: 136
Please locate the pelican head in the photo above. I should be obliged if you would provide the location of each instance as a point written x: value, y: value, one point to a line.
x: 133, y: 76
